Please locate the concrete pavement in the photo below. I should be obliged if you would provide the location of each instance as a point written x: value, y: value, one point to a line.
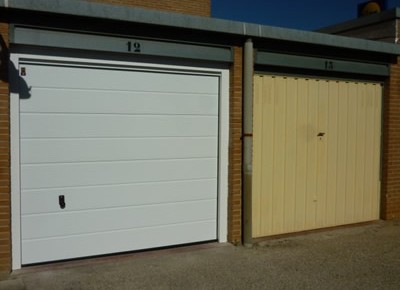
x: 359, y: 257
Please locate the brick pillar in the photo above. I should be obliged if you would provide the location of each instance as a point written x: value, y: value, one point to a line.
x: 5, y: 217
x: 235, y: 149
x: 390, y: 201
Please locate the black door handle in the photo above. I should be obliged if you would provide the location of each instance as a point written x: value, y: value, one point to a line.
x: 61, y: 201
x: 321, y: 134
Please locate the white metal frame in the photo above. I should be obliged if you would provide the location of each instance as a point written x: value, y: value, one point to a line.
x: 223, y: 74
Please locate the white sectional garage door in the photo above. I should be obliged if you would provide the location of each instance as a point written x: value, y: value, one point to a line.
x: 116, y: 159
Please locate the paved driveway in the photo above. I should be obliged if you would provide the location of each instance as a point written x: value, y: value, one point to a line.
x: 361, y: 257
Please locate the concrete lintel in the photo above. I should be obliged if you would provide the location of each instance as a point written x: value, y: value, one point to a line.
x: 147, y: 16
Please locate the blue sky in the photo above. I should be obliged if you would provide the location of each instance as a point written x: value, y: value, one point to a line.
x: 299, y: 14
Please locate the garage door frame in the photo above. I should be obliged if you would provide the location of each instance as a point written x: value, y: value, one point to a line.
x: 223, y: 126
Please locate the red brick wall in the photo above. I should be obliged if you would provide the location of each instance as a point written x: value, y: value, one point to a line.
x: 235, y: 150
x: 193, y: 7
x: 390, y: 202
x: 5, y: 221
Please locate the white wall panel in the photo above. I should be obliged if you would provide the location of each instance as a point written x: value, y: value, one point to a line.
x: 115, y: 149
x: 68, y: 100
x: 117, y: 241
x: 41, y: 226
x: 103, y: 173
x: 98, y: 125
x: 62, y: 77
x: 39, y: 201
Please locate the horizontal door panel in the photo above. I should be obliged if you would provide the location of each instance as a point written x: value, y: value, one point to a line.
x: 112, y: 219
x: 101, y: 197
x: 97, y: 125
x: 103, y: 173
x: 118, y: 102
x: 115, y: 80
x: 119, y: 241
x: 116, y: 149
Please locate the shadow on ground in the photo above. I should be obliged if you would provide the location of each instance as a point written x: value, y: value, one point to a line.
x: 362, y: 257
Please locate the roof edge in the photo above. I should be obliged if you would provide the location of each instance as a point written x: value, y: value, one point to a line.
x: 155, y: 17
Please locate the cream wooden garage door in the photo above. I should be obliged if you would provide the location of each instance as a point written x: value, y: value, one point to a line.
x: 316, y: 153
x: 116, y: 159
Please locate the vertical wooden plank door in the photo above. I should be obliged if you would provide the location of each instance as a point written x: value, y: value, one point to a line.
x: 316, y: 154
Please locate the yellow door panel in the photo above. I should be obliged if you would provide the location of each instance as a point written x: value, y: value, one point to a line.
x: 316, y: 153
